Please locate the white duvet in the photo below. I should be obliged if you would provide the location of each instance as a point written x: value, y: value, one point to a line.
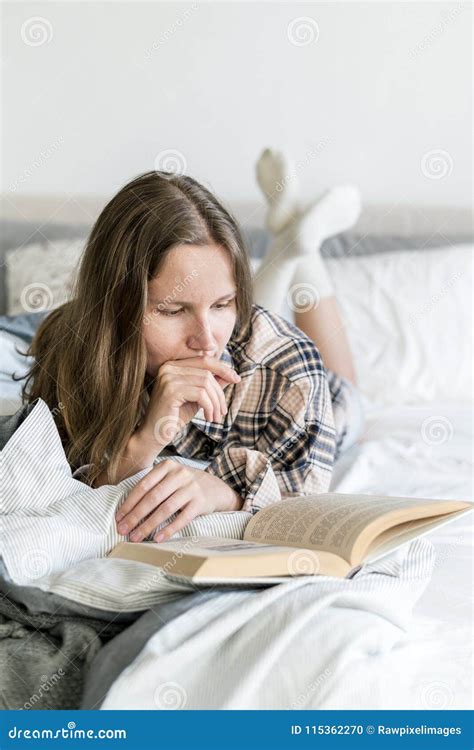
x: 395, y: 636
x: 398, y: 635
x: 341, y: 645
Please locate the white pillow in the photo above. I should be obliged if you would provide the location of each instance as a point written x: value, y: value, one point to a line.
x: 407, y: 313
x: 408, y: 316
x: 40, y: 276
x: 12, y: 363
x: 408, y: 319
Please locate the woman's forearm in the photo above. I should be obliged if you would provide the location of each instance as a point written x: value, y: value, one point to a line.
x: 139, y: 453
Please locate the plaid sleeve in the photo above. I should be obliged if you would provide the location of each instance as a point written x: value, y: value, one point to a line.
x: 294, y: 452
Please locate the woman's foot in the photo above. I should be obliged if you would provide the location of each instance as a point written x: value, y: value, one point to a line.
x: 276, y: 177
x: 293, y: 260
x: 305, y: 231
x: 337, y: 211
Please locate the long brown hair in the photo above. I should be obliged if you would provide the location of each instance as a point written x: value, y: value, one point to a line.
x: 89, y: 353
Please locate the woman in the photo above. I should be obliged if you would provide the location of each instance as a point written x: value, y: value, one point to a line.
x: 161, y: 352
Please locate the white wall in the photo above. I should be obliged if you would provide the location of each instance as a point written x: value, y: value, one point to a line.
x: 379, y: 89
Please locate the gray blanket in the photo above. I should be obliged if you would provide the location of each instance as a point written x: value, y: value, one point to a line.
x: 58, y: 654
x: 49, y: 645
x: 44, y: 657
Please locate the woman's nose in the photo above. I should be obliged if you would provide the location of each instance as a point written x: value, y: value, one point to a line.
x: 203, y: 339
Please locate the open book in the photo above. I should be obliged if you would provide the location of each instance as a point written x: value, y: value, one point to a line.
x: 330, y: 534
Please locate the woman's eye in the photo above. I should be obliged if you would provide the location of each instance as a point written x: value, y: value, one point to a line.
x: 172, y: 313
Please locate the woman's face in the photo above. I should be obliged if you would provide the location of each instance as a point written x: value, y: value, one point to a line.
x: 191, y: 306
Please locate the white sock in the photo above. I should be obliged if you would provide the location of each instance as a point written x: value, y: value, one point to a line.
x: 309, y: 284
x: 334, y: 213
x: 276, y: 176
x: 271, y: 280
x: 292, y: 275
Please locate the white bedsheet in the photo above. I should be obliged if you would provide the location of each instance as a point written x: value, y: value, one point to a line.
x: 335, y: 652
x: 364, y: 654
x: 422, y: 451
x: 286, y: 647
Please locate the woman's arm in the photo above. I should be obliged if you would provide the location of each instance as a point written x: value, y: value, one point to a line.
x: 294, y: 450
x: 167, y: 488
x: 176, y: 401
x: 140, y: 452
x: 174, y: 491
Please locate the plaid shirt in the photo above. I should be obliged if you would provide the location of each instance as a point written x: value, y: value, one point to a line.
x: 278, y: 436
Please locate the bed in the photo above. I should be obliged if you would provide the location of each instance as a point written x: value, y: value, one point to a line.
x: 400, y: 636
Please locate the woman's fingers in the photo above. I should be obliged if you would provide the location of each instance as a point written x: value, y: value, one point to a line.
x: 221, y: 396
x: 205, y: 364
x: 156, y: 475
x: 213, y: 387
x: 208, y: 383
x: 200, y: 394
x: 174, y: 502
x: 187, y: 514
x: 135, y: 520
x: 218, y: 399
x: 197, y: 390
x: 216, y: 394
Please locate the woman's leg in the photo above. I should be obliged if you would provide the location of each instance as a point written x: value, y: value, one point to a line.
x: 323, y: 325
x: 293, y: 270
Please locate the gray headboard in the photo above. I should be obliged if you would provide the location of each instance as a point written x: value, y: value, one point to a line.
x: 28, y: 219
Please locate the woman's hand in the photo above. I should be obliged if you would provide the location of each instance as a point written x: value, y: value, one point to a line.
x: 180, y: 388
x: 171, y: 487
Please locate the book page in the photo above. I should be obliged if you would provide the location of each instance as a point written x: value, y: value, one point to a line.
x: 210, y: 546
x: 327, y: 521
x: 404, y: 532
